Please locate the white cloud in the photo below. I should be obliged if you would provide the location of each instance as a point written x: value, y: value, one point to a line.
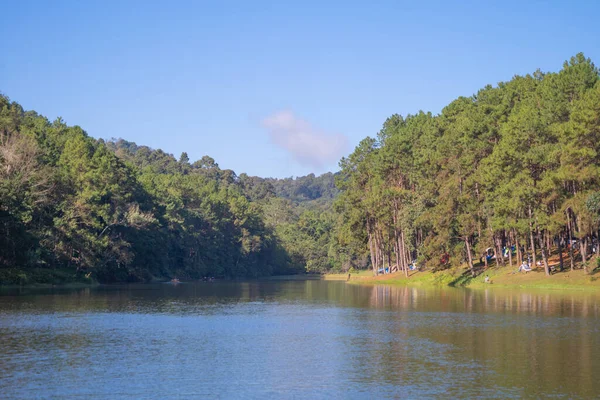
x: 308, y: 145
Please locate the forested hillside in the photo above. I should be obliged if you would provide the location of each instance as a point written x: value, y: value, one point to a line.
x: 74, y: 208
x: 514, y: 165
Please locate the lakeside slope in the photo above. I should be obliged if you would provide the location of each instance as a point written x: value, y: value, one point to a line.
x: 499, y: 277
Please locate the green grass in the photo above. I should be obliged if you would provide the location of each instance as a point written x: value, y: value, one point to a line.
x: 344, y: 275
x: 505, y: 277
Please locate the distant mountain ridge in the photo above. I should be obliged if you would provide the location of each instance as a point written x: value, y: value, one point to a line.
x: 297, y: 189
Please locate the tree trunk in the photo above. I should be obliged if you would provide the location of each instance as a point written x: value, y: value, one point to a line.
x: 560, y: 255
x: 583, y: 246
x: 498, y: 250
x: 570, y: 244
x: 542, y: 248
x: 531, y: 239
x: 396, y: 236
x: 404, y: 258
x: 469, y: 256
x: 396, y: 250
x: 518, y: 246
x: 407, y: 257
x: 371, y: 251
x: 377, y: 251
x: 399, y: 256
x: 545, y: 260
x: 509, y: 244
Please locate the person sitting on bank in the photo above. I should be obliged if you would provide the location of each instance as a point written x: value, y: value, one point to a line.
x: 525, y: 267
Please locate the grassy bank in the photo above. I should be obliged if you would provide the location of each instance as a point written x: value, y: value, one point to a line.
x: 363, y: 274
x: 499, y: 277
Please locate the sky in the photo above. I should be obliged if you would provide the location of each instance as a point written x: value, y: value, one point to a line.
x: 272, y: 88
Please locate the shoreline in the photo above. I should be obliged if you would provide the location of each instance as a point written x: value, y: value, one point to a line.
x: 74, y: 284
x: 69, y: 285
x: 501, y: 277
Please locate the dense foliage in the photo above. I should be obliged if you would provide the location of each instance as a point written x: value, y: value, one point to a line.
x: 514, y: 165
x: 76, y: 208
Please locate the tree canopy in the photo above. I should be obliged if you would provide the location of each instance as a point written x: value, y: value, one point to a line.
x: 515, y: 166
x: 73, y: 207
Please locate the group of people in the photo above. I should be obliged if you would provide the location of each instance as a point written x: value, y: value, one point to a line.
x: 524, y: 267
x: 490, y: 253
x: 506, y: 250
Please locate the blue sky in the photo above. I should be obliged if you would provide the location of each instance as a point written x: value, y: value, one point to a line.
x: 272, y: 88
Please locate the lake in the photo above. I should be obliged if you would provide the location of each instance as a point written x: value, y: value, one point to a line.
x: 297, y: 339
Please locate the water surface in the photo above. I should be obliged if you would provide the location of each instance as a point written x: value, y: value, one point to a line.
x: 297, y: 339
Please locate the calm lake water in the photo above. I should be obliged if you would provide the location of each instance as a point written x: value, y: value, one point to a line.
x: 297, y: 339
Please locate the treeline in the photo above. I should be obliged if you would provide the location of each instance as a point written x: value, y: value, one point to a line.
x: 306, y: 188
x: 514, y: 165
x: 297, y: 211
x: 76, y: 208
